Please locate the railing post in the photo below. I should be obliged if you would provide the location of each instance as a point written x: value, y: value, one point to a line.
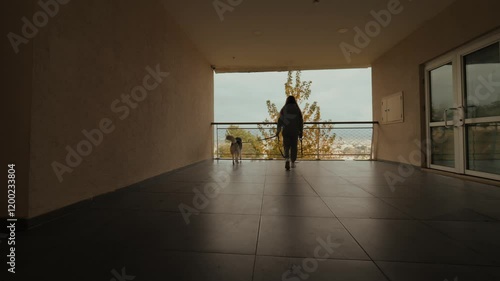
x: 217, y: 136
x: 372, y: 142
x: 317, y: 143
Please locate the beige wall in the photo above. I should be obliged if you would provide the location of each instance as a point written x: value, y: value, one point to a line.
x: 16, y: 90
x: 85, y: 58
x: 400, y: 70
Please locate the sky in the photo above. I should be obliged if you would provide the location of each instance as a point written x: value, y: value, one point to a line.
x: 343, y: 95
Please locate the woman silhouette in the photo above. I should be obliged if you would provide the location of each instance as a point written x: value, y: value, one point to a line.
x: 292, y: 125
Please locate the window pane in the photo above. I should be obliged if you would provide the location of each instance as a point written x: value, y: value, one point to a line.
x: 443, y: 146
x: 482, y: 82
x: 483, y: 147
x: 441, y: 86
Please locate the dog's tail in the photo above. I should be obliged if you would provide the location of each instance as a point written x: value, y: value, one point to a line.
x: 230, y: 138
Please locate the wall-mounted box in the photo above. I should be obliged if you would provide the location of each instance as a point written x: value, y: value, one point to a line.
x: 393, y: 109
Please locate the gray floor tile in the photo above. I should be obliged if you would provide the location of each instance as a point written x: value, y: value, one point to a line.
x: 141, y: 264
x: 135, y: 200
x: 300, y: 236
x: 234, y: 204
x: 172, y: 187
x: 437, y: 209
x: 243, y: 188
x: 281, y: 268
x: 406, y: 191
x: 410, y: 241
x: 344, y: 207
x: 331, y: 179
x: 218, y: 233
x: 289, y: 189
x: 488, y: 208
x: 368, y: 180
x: 188, y: 177
x: 245, y: 178
x: 295, y: 206
x: 480, y: 236
x: 284, y: 178
x: 488, y: 191
x: 168, y: 265
x: 436, y: 272
x: 339, y: 190
x: 213, y: 233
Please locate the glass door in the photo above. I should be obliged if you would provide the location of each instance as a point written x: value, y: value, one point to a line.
x: 463, y: 110
x: 481, y: 91
x: 443, y: 116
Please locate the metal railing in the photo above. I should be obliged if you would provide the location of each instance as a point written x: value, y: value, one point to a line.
x: 321, y: 141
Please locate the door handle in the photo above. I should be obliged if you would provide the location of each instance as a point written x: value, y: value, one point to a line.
x: 445, y: 116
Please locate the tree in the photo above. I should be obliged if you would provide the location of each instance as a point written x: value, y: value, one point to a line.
x: 317, y: 138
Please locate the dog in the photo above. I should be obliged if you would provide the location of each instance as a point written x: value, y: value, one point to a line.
x: 236, y: 148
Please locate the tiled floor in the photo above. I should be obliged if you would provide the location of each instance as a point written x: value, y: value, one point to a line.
x: 254, y: 221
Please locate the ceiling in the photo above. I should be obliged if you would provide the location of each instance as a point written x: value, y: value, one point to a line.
x: 275, y: 35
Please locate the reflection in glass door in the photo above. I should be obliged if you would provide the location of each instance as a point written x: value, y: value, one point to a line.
x: 481, y: 72
x: 463, y: 110
x: 442, y: 98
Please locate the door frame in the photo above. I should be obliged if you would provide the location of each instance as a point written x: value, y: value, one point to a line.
x: 443, y: 60
x: 464, y: 51
x: 456, y: 58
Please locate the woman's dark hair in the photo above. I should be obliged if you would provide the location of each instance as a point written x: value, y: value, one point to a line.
x: 290, y: 100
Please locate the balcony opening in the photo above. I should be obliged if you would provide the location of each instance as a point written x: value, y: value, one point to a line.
x: 336, y: 106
